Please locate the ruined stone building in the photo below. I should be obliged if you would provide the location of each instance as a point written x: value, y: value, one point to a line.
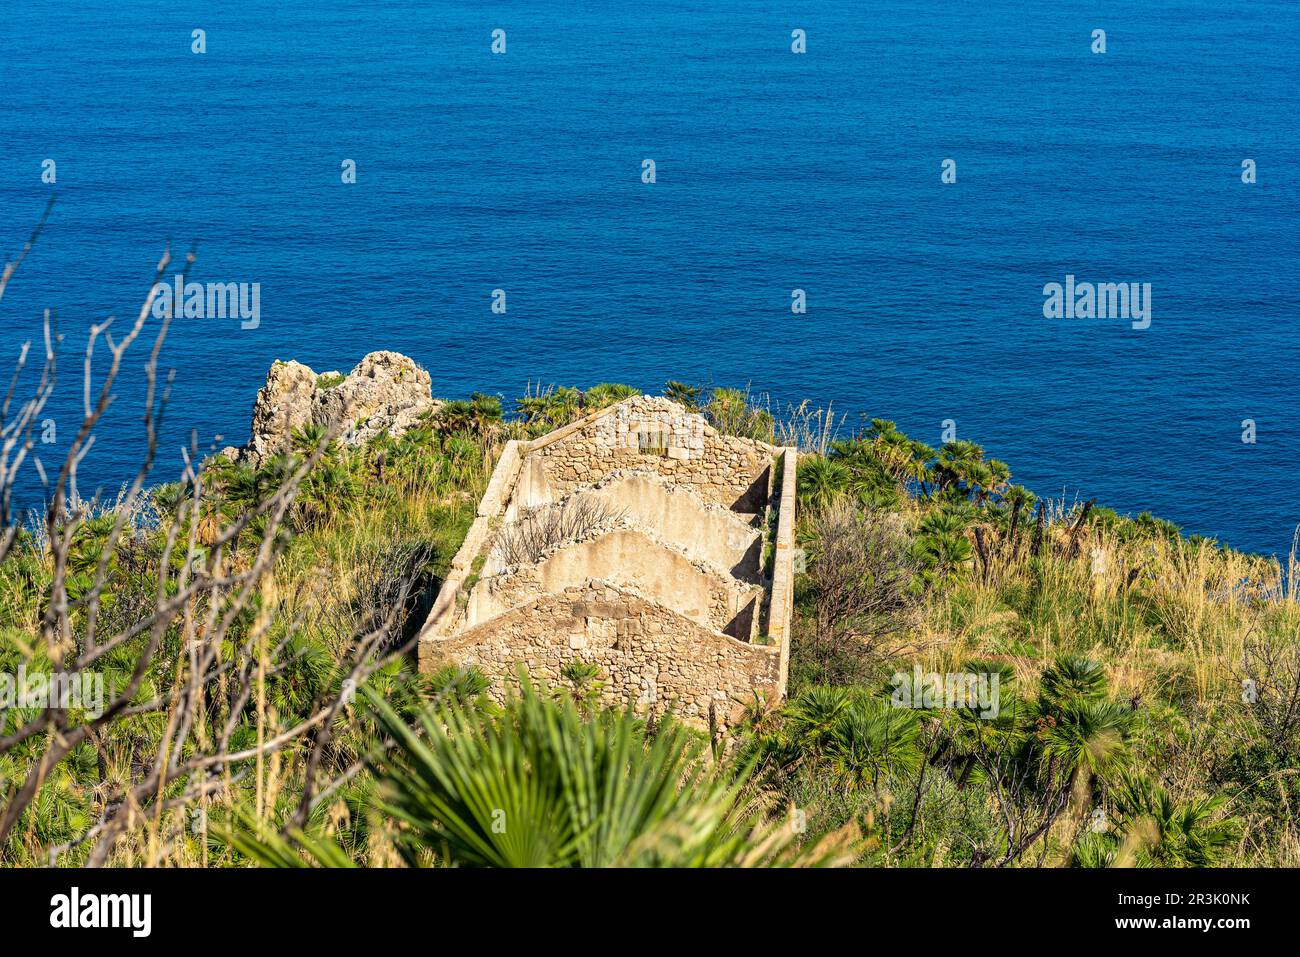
x: 637, y: 539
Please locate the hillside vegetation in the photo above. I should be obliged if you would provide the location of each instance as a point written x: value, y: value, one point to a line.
x: 254, y: 630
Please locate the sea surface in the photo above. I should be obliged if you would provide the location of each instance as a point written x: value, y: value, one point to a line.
x: 775, y: 171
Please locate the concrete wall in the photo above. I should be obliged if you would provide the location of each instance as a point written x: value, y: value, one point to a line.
x: 534, y: 488
x: 649, y: 656
x: 781, y: 604
x: 447, y: 609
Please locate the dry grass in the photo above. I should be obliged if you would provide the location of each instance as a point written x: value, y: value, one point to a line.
x: 1143, y: 608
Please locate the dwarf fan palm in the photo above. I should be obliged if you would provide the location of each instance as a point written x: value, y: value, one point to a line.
x: 813, y: 714
x: 456, y: 417
x: 683, y: 394
x: 821, y: 481
x: 540, y: 786
x: 485, y: 411
x: 607, y: 393
x: 1196, y: 833
x: 872, y: 739
x: 1073, y: 678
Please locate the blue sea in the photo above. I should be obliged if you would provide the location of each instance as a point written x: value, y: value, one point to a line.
x: 774, y: 171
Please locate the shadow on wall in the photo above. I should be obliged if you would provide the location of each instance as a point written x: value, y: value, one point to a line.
x: 750, y: 566
x: 754, y: 498
x: 742, y: 625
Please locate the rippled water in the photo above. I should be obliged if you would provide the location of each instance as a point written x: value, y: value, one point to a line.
x: 775, y: 171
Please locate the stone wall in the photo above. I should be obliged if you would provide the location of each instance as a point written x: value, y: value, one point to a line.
x: 649, y: 656
x: 703, y: 530
x: 667, y: 598
x: 654, y: 434
x: 628, y: 557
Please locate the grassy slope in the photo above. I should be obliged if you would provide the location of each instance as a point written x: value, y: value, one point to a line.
x: 1175, y: 626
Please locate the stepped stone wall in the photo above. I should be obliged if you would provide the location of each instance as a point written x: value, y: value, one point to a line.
x: 631, y: 558
x: 669, y: 599
x: 703, y: 530
x: 656, y: 433
x: 649, y: 656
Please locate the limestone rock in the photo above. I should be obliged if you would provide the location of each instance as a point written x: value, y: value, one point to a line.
x: 386, y: 392
x: 282, y: 405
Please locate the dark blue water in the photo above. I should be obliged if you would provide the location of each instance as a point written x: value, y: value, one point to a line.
x: 775, y: 171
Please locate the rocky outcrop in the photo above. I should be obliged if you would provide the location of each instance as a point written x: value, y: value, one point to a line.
x: 386, y: 392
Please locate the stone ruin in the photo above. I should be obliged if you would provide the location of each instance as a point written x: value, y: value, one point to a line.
x: 637, y: 539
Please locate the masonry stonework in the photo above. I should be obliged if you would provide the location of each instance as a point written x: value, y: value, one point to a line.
x: 649, y: 656
x: 670, y: 600
x: 655, y: 433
